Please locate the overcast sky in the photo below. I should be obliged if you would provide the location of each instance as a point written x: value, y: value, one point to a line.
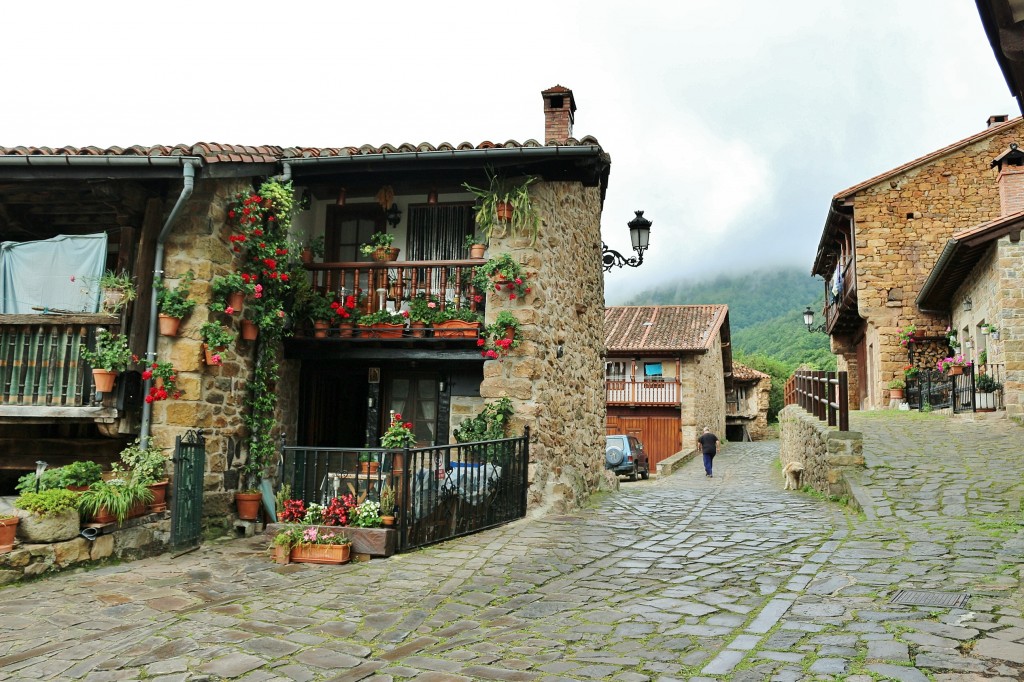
x: 730, y: 124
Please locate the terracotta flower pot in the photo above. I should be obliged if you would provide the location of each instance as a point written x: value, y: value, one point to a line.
x: 369, y: 468
x: 249, y: 330
x: 320, y: 554
x: 477, y: 250
x: 236, y: 300
x: 320, y: 330
x: 248, y: 505
x: 385, y: 330
x: 503, y: 210
x: 896, y: 393
x: 282, y: 554
x: 307, y: 256
x: 208, y: 354
x: 387, y: 520
x: 955, y: 370
x: 159, y: 502
x: 168, y: 325
x: 456, y: 329
x: 345, y: 330
x: 8, y: 529
x: 418, y: 329
x: 104, y: 380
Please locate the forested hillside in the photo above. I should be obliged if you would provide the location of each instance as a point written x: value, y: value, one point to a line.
x: 765, y: 312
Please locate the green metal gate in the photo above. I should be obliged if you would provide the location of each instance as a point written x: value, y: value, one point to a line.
x: 187, y: 500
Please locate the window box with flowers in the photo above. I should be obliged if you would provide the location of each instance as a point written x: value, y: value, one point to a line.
x: 380, y: 247
x: 315, y: 545
x: 384, y: 324
x: 953, y: 365
x: 175, y: 304
x: 503, y: 275
x: 455, y: 323
x: 108, y: 358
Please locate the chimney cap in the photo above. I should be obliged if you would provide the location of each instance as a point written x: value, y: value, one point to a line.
x: 1011, y: 157
x: 560, y: 91
x: 997, y: 118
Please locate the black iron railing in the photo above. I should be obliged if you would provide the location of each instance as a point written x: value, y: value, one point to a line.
x: 935, y: 390
x: 823, y: 394
x: 442, y: 492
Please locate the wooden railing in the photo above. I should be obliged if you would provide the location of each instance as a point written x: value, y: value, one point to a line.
x: 823, y: 394
x: 447, y: 280
x: 847, y: 294
x: 624, y: 392
x: 41, y: 359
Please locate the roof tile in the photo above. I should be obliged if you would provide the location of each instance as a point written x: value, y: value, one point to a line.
x: 662, y: 328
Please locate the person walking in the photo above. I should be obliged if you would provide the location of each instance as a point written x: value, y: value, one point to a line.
x: 709, y: 447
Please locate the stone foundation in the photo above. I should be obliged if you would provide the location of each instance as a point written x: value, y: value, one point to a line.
x: 824, y: 452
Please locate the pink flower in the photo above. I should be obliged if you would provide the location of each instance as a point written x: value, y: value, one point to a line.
x: 229, y: 310
x: 72, y: 278
x: 309, y: 535
x: 215, y: 359
x: 431, y: 305
x: 280, y: 313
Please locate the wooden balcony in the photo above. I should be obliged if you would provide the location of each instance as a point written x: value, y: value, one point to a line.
x: 399, y: 281
x: 841, y: 308
x: 625, y: 392
x: 42, y: 374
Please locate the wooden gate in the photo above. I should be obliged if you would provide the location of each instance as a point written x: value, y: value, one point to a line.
x: 187, y: 496
x: 658, y: 430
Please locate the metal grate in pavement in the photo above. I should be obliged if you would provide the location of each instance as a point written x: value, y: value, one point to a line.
x: 926, y: 598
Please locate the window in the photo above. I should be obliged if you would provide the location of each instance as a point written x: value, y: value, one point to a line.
x: 741, y: 393
x: 615, y: 371
x: 438, y: 232
x: 348, y: 227
x: 652, y: 371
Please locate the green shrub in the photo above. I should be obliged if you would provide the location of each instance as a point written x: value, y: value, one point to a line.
x: 50, y: 479
x: 48, y: 502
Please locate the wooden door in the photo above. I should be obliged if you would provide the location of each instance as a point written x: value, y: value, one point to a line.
x: 659, y: 431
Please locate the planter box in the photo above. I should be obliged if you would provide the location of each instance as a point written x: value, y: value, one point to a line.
x: 320, y: 554
x: 372, y: 541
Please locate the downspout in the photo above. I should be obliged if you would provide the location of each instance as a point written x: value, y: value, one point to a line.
x: 286, y: 172
x: 188, y: 183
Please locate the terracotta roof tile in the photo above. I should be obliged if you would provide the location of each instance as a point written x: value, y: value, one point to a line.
x: 744, y: 373
x: 662, y: 328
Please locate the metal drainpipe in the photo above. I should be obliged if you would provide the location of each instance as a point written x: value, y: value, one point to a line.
x: 286, y: 172
x: 188, y: 179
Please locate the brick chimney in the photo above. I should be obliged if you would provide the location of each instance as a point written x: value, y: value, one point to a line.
x: 1011, y: 180
x: 559, y: 114
x: 996, y: 119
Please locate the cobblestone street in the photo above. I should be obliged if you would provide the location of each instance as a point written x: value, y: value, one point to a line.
x: 683, y: 578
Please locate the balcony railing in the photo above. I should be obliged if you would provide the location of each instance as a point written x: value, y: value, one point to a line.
x: 625, y: 392
x: 837, y: 303
x: 399, y: 281
x: 41, y: 364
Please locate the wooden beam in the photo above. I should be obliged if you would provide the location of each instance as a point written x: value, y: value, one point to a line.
x: 22, y: 453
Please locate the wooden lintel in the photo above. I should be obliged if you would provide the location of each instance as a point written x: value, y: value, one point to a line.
x: 24, y: 413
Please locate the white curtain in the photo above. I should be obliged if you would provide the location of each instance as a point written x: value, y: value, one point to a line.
x: 61, y: 274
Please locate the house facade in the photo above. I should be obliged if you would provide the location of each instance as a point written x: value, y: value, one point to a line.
x: 667, y: 374
x: 747, y: 406
x: 880, y: 242
x: 165, y: 211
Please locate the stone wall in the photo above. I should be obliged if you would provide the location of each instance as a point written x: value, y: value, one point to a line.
x: 758, y: 428
x: 703, y: 394
x: 462, y: 408
x: 823, y: 451
x: 562, y: 399
x: 901, y: 225
x: 213, y: 396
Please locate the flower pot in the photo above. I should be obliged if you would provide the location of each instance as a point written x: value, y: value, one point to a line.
x: 955, y: 370
x: 113, y: 300
x: 169, y: 325
x: 346, y: 330
x: 477, y: 250
x: 249, y: 330
x: 159, y: 502
x: 896, y: 393
x: 282, y: 554
x: 208, y: 354
x: 510, y: 333
x: 248, y: 505
x: 369, y: 468
x: 383, y: 254
x: 307, y: 256
x: 320, y: 330
x: 50, y: 528
x: 387, y: 520
x: 8, y: 529
x: 236, y: 300
x: 320, y: 554
x: 104, y: 380
x: 503, y: 211
x: 103, y: 516
x: 386, y: 330
x: 138, y: 509
x: 417, y: 329
x: 456, y: 329
x: 363, y: 330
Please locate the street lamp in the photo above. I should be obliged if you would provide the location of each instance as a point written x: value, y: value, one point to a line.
x: 809, y: 322
x: 639, y: 235
x: 40, y: 468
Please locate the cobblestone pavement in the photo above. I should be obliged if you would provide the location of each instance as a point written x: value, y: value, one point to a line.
x: 684, y: 578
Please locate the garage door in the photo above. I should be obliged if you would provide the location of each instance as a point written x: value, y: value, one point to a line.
x: 659, y: 433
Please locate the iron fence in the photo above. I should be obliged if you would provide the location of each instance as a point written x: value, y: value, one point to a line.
x: 441, y: 492
x: 931, y: 389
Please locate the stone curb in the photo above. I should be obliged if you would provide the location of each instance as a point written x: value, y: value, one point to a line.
x: 670, y: 465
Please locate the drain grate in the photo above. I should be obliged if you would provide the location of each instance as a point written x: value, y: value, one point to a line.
x: 925, y: 598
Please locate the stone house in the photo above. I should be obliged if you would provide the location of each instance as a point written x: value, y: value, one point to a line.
x: 746, y: 416
x: 668, y: 372
x: 881, y: 239
x: 162, y: 211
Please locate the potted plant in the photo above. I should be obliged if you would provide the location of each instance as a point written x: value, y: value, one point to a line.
x: 8, y: 530
x: 453, y: 322
x: 314, y: 248
x: 148, y: 466
x: 423, y: 309
x: 174, y: 304
x: 229, y: 293
x: 954, y: 364
x: 312, y: 545
x: 80, y: 475
x: 118, y: 290
x: 500, y: 337
x: 292, y: 511
x: 398, y: 434
x: 165, y: 379
x: 380, y: 247
x: 910, y: 373
x: 366, y: 514
x: 908, y: 335
x: 985, y: 387
x: 113, y: 500
x: 387, y: 505
x: 368, y: 463
x: 475, y: 245
x: 282, y: 545
x: 501, y: 274
x: 896, y: 387
x: 216, y: 338
x: 385, y: 324
x: 49, y: 515
x: 505, y: 204
x: 110, y: 356
x: 318, y: 310
x: 347, y: 313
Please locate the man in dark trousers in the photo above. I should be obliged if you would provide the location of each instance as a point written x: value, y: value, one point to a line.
x: 709, y: 446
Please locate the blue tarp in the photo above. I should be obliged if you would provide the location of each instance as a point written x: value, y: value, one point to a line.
x: 60, y: 274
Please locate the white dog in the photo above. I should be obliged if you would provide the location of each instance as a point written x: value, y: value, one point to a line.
x: 793, y: 470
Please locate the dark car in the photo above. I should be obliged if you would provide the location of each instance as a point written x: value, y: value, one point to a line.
x: 626, y: 457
